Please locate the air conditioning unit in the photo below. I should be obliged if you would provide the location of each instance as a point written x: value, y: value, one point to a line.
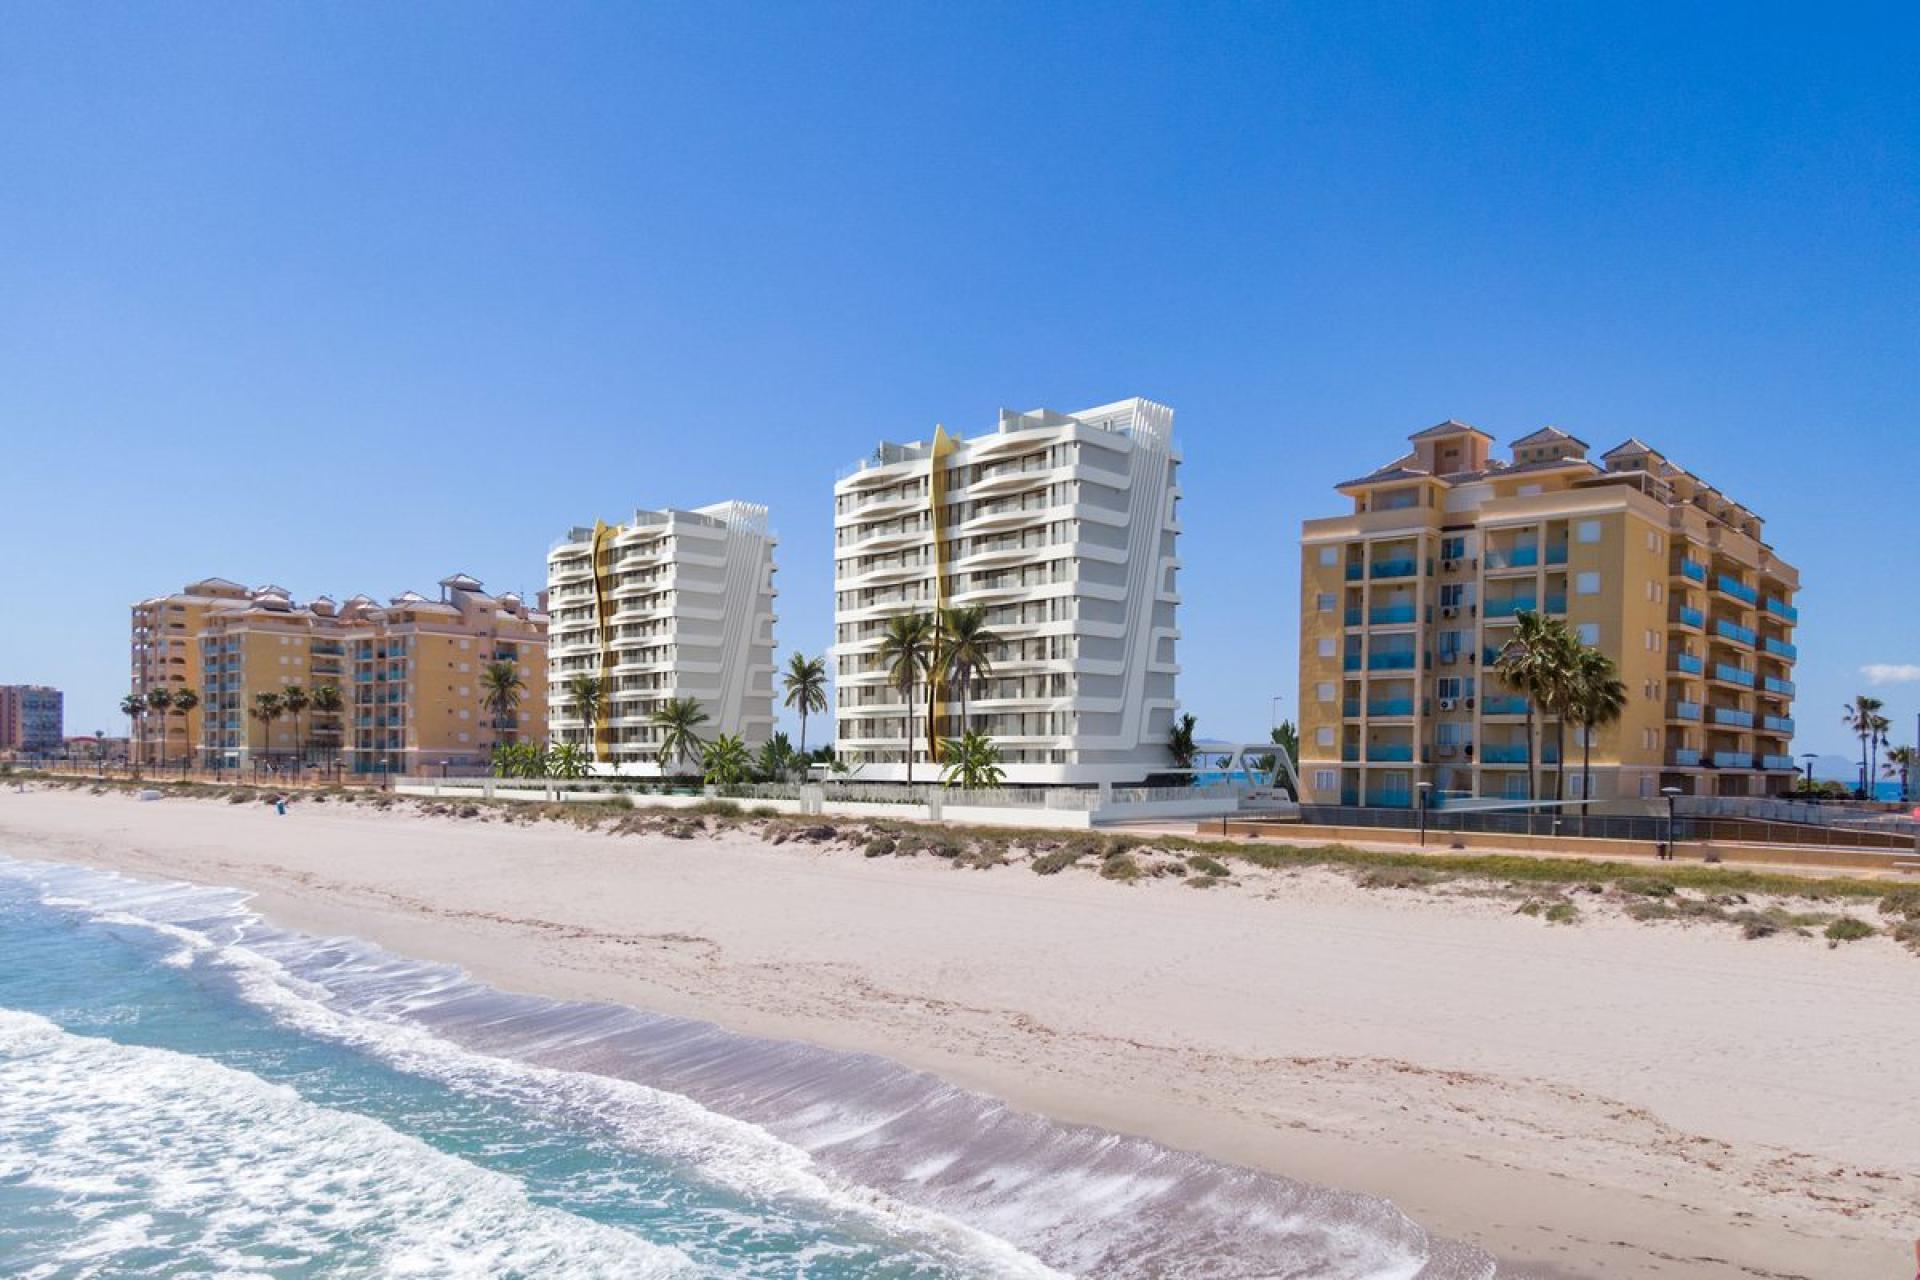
x: 1469, y: 704
x: 1449, y: 611
x: 1448, y: 566
x: 1448, y: 704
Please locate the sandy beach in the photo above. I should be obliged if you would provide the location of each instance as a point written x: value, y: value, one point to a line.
x: 1608, y: 1098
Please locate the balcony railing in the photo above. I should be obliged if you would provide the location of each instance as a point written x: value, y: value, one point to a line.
x: 1391, y: 614
x: 1508, y: 608
x: 1689, y: 663
x: 1781, y: 609
x: 1736, y: 588
x: 1733, y: 716
x: 1557, y: 555
x: 1490, y: 654
x: 1686, y: 711
x: 1515, y: 753
x: 1390, y: 707
x: 1698, y: 572
x: 1777, y: 724
x: 1513, y: 558
x: 1351, y: 662
x: 1355, y: 572
x: 1776, y: 762
x: 1350, y: 707
x: 1731, y: 760
x: 1556, y: 603
x: 1389, y: 753
x: 1390, y: 661
x: 1353, y: 617
x: 1687, y: 617
x: 1508, y: 705
x: 1734, y: 631
x: 1782, y: 649
x: 1734, y: 675
x: 1773, y: 685
x: 1687, y: 756
x: 1394, y: 568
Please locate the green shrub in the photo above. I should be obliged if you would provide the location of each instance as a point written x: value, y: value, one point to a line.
x: 1120, y: 866
x: 1207, y: 866
x: 1054, y: 861
x: 1562, y: 913
x: 1399, y: 877
x: 880, y: 846
x: 1903, y: 902
x: 1848, y: 929
x: 1647, y: 888
x: 715, y: 808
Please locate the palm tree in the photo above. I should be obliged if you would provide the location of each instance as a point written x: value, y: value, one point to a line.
x: 501, y: 687
x: 776, y: 757
x: 1597, y: 698
x: 725, y: 762
x: 967, y: 646
x: 327, y: 702
x: 1180, y: 743
x: 184, y: 701
x: 1859, y: 716
x: 134, y: 708
x: 1882, y: 734
x: 296, y: 699
x: 906, y: 649
x: 1902, y: 762
x: 588, y: 693
x: 266, y: 708
x: 1536, y: 663
x: 973, y: 763
x: 678, y: 719
x: 805, y: 681
x: 100, y: 747
x: 566, y: 761
x: 158, y: 700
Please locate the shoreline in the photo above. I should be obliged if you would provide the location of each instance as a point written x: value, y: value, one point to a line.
x: 1618, y: 1123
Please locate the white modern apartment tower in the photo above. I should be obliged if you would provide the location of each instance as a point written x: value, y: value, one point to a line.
x: 670, y: 604
x: 1063, y: 526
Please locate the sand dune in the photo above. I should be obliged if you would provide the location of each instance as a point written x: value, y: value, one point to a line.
x: 1608, y: 1099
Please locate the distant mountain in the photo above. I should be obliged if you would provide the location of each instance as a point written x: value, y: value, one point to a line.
x: 1835, y: 769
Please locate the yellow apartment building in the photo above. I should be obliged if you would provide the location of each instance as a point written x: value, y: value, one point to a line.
x: 1407, y: 600
x: 166, y: 655
x: 408, y: 673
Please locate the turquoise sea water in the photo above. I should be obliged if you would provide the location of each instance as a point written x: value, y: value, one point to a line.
x: 185, y: 1091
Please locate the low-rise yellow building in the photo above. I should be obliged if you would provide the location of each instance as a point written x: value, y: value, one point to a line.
x: 409, y: 675
x: 1407, y: 600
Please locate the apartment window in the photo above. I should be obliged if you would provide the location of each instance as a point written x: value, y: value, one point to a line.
x: 1453, y: 548
x: 1450, y: 733
x: 1324, y: 602
x: 1329, y: 556
x: 1646, y: 786
x: 1326, y: 646
x: 465, y: 714
x: 463, y: 691
x: 1326, y: 780
x: 1587, y: 584
x: 465, y: 667
x: 1516, y: 786
x: 1323, y: 736
x: 1577, y: 786
x: 1587, y: 531
x: 1449, y: 687
x: 465, y: 736
x: 1650, y: 739
x: 1589, y: 632
x: 1453, y: 595
x: 1324, y: 691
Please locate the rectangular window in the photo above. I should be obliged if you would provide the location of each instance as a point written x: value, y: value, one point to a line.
x: 1589, y: 632
x: 1451, y: 733
x: 1653, y: 541
x: 1326, y: 780
x: 1324, y: 602
x: 1587, y: 584
x: 1587, y: 531
x: 1329, y: 556
x: 1453, y: 548
x: 1646, y: 786
x: 1448, y: 687
x: 1453, y: 595
x: 1516, y: 785
x: 1323, y: 736
x: 1324, y: 691
x: 1326, y: 646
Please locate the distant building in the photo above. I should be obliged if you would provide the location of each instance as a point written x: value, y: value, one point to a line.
x: 408, y: 674
x: 32, y: 718
x: 669, y: 604
x: 1408, y: 599
x: 1062, y: 526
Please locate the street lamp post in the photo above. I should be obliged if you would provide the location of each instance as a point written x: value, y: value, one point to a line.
x: 1276, y: 711
x: 1670, y: 793
x: 1809, y: 757
x: 1422, y: 791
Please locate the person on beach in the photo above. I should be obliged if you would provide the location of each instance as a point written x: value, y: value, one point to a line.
x: 280, y: 805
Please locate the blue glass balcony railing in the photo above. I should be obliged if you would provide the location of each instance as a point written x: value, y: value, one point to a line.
x: 1390, y: 753
x: 1349, y: 752
x: 1391, y: 614
x: 1353, y: 617
x: 1390, y: 661
x: 1686, y: 711
x: 1782, y: 649
x: 1731, y: 759
x: 1781, y: 609
x: 1390, y: 799
x: 1556, y: 604
x: 1777, y: 724
x: 1515, y: 753
x: 1688, y: 756
x: 1355, y: 572
x: 1698, y: 572
x: 1351, y: 662
x: 1513, y: 558
x: 1689, y: 663
x: 1776, y: 762
x: 1508, y: 608
x: 1509, y: 705
x: 1734, y: 675
x: 1774, y: 685
x: 1350, y: 707
x: 1736, y: 588
x: 1557, y: 555
x: 1732, y: 716
x: 1390, y: 707
x: 1393, y: 568
x: 1490, y: 654
x: 1689, y: 617
x: 1735, y: 632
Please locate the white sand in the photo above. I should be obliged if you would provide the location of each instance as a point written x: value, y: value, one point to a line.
x: 1608, y: 1099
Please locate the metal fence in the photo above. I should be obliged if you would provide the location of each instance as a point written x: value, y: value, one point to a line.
x: 1649, y: 828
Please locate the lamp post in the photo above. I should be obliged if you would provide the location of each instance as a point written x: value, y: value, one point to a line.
x: 1276, y: 711
x: 1422, y: 790
x: 1670, y: 793
x: 1809, y: 757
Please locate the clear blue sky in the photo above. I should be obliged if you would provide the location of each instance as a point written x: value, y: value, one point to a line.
x: 347, y: 297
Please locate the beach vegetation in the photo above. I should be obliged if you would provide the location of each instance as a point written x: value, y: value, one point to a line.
x: 805, y: 684
x: 973, y: 763
x: 1054, y: 861
x: 500, y: 690
x: 566, y: 762
x: 679, y: 721
x: 1562, y: 913
x: 588, y: 695
x: 1207, y: 865
x: 725, y: 762
x: 1181, y: 744
x: 964, y: 649
x: 1849, y: 929
x: 907, y: 652
x: 1120, y: 865
x: 266, y: 711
